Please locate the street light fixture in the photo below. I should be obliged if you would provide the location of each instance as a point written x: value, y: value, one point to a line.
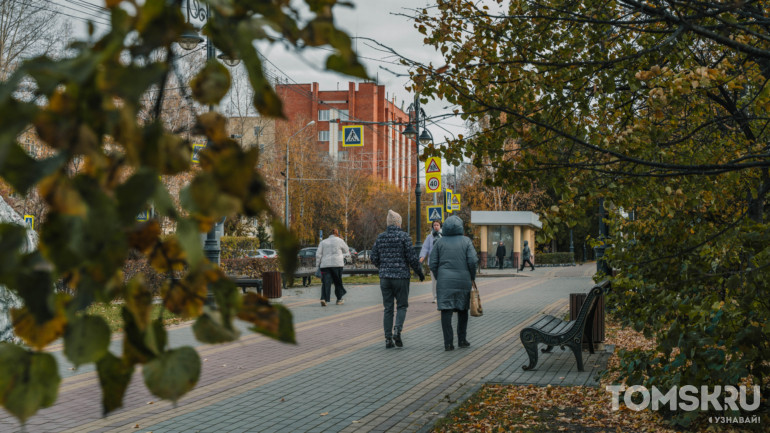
x: 286, y: 180
x: 188, y: 40
x: 416, y: 120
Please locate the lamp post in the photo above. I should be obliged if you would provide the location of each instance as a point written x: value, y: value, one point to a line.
x: 286, y: 181
x: 188, y: 41
x: 412, y: 130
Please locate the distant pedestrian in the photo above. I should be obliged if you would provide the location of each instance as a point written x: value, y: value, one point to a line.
x: 500, y: 254
x: 525, y: 257
x: 393, y: 255
x: 453, y: 261
x: 427, y: 246
x: 330, y: 257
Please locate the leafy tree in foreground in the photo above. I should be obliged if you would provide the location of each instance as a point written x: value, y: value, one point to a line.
x: 89, y: 114
x: 656, y: 107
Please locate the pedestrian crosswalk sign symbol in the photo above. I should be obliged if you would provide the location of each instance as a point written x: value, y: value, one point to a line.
x: 435, y: 213
x: 196, y: 153
x: 30, y: 220
x: 353, y: 136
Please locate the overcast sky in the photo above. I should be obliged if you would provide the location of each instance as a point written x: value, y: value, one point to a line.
x: 374, y: 19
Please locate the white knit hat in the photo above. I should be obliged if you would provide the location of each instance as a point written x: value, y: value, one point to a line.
x: 394, y: 219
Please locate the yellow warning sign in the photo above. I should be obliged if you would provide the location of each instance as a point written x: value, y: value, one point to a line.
x: 455, y: 202
x: 433, y: 165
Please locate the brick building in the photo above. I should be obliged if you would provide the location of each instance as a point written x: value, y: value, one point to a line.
x: 385, y: 153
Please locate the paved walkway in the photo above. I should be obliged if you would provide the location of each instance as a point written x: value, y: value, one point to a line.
x: 339, y: 377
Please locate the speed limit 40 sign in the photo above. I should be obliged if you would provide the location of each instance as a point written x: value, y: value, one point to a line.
x: 433, y: 182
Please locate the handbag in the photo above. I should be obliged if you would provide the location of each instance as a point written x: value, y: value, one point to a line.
x: 476, y: 309
x: 318, y: 272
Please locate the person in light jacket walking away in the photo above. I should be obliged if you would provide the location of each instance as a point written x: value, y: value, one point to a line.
x: 393, y: 255
x: 330, y: 257
x: 453, y: 261
x: 427, y: 246
x: 526, y: 255
x: 500, y: 253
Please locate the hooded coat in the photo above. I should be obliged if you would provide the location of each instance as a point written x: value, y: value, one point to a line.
x: 526, y: 253
x: 453, y: 261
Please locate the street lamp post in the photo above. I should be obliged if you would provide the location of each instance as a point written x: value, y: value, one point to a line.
x: 286, y: 181
x: 412, y: 130
x: 188, y: 41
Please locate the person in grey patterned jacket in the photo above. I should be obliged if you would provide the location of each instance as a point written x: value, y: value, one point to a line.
x: 393, y: 255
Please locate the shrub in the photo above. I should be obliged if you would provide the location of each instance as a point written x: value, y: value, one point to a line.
x: 152, y: 278
x: 250, y: 268
x: 234, y: 247
x: 554, y: 258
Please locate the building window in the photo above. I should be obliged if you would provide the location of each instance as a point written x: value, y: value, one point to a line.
x: 343, y: 115
x: 323, y: 135
x: 339, y: 135
x: 323, y: 115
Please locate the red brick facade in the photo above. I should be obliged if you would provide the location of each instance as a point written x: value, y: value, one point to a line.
x: 386, y: 152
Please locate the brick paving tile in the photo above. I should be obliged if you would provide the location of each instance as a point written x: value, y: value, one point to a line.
x: 339, y: 366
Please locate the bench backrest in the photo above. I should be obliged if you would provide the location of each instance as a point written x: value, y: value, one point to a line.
x: 586, y: 310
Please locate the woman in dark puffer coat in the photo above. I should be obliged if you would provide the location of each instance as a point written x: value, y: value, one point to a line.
x: 453, y: 261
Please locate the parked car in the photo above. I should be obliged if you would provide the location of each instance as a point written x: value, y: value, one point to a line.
x: 307, y: 257
x: 261, y: 254
x: 365, y: 255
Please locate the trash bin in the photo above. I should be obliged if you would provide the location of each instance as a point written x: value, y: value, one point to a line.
x: 271, y: 284
x: 575, y: 302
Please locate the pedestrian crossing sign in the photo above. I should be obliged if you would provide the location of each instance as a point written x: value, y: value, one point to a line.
x: 448, y: 200
x: 196, y: 153
x: 435, y: 213
x: 30, y: 220
x: 353, y: 136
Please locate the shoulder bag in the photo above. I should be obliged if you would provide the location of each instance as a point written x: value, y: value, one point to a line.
x: 476, y: 309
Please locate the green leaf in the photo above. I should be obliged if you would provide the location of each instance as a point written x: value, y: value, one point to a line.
x: 114, y: 377
x: 23, y: 171
x: 208, y: 328
x: 211, y: 84
x: 173, y: 373
x: 272, y: 320
x: 134, y: 194
x: 86, y: 339
x: 29, y: 381
x: 189, y: 238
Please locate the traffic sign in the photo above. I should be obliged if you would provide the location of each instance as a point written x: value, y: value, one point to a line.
x: 433, y: 165
x: 353, y: 136
x: 455, y: 202
x: 30, y: 220
x: 448, y: 200
x: 433, y: 182
x: 434, y: 213
x: 196, y: 157
x: 143, y: 215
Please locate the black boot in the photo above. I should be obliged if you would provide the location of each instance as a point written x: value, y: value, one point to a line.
x: 397, y: 340
x: 389, y: 343
x: 464, y: 343
x: 448, y: 347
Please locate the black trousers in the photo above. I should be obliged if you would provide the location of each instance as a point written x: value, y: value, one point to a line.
x: 446, y: 325
x: 500, y: 261
x: 332, y: 275
x: 524, y: 263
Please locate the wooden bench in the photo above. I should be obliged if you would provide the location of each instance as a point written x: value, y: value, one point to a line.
x: 552, y: 331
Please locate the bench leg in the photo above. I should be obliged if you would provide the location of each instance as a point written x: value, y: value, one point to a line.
x: 577, y: 349
x: 547, y: 349
x: 530, y: 345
